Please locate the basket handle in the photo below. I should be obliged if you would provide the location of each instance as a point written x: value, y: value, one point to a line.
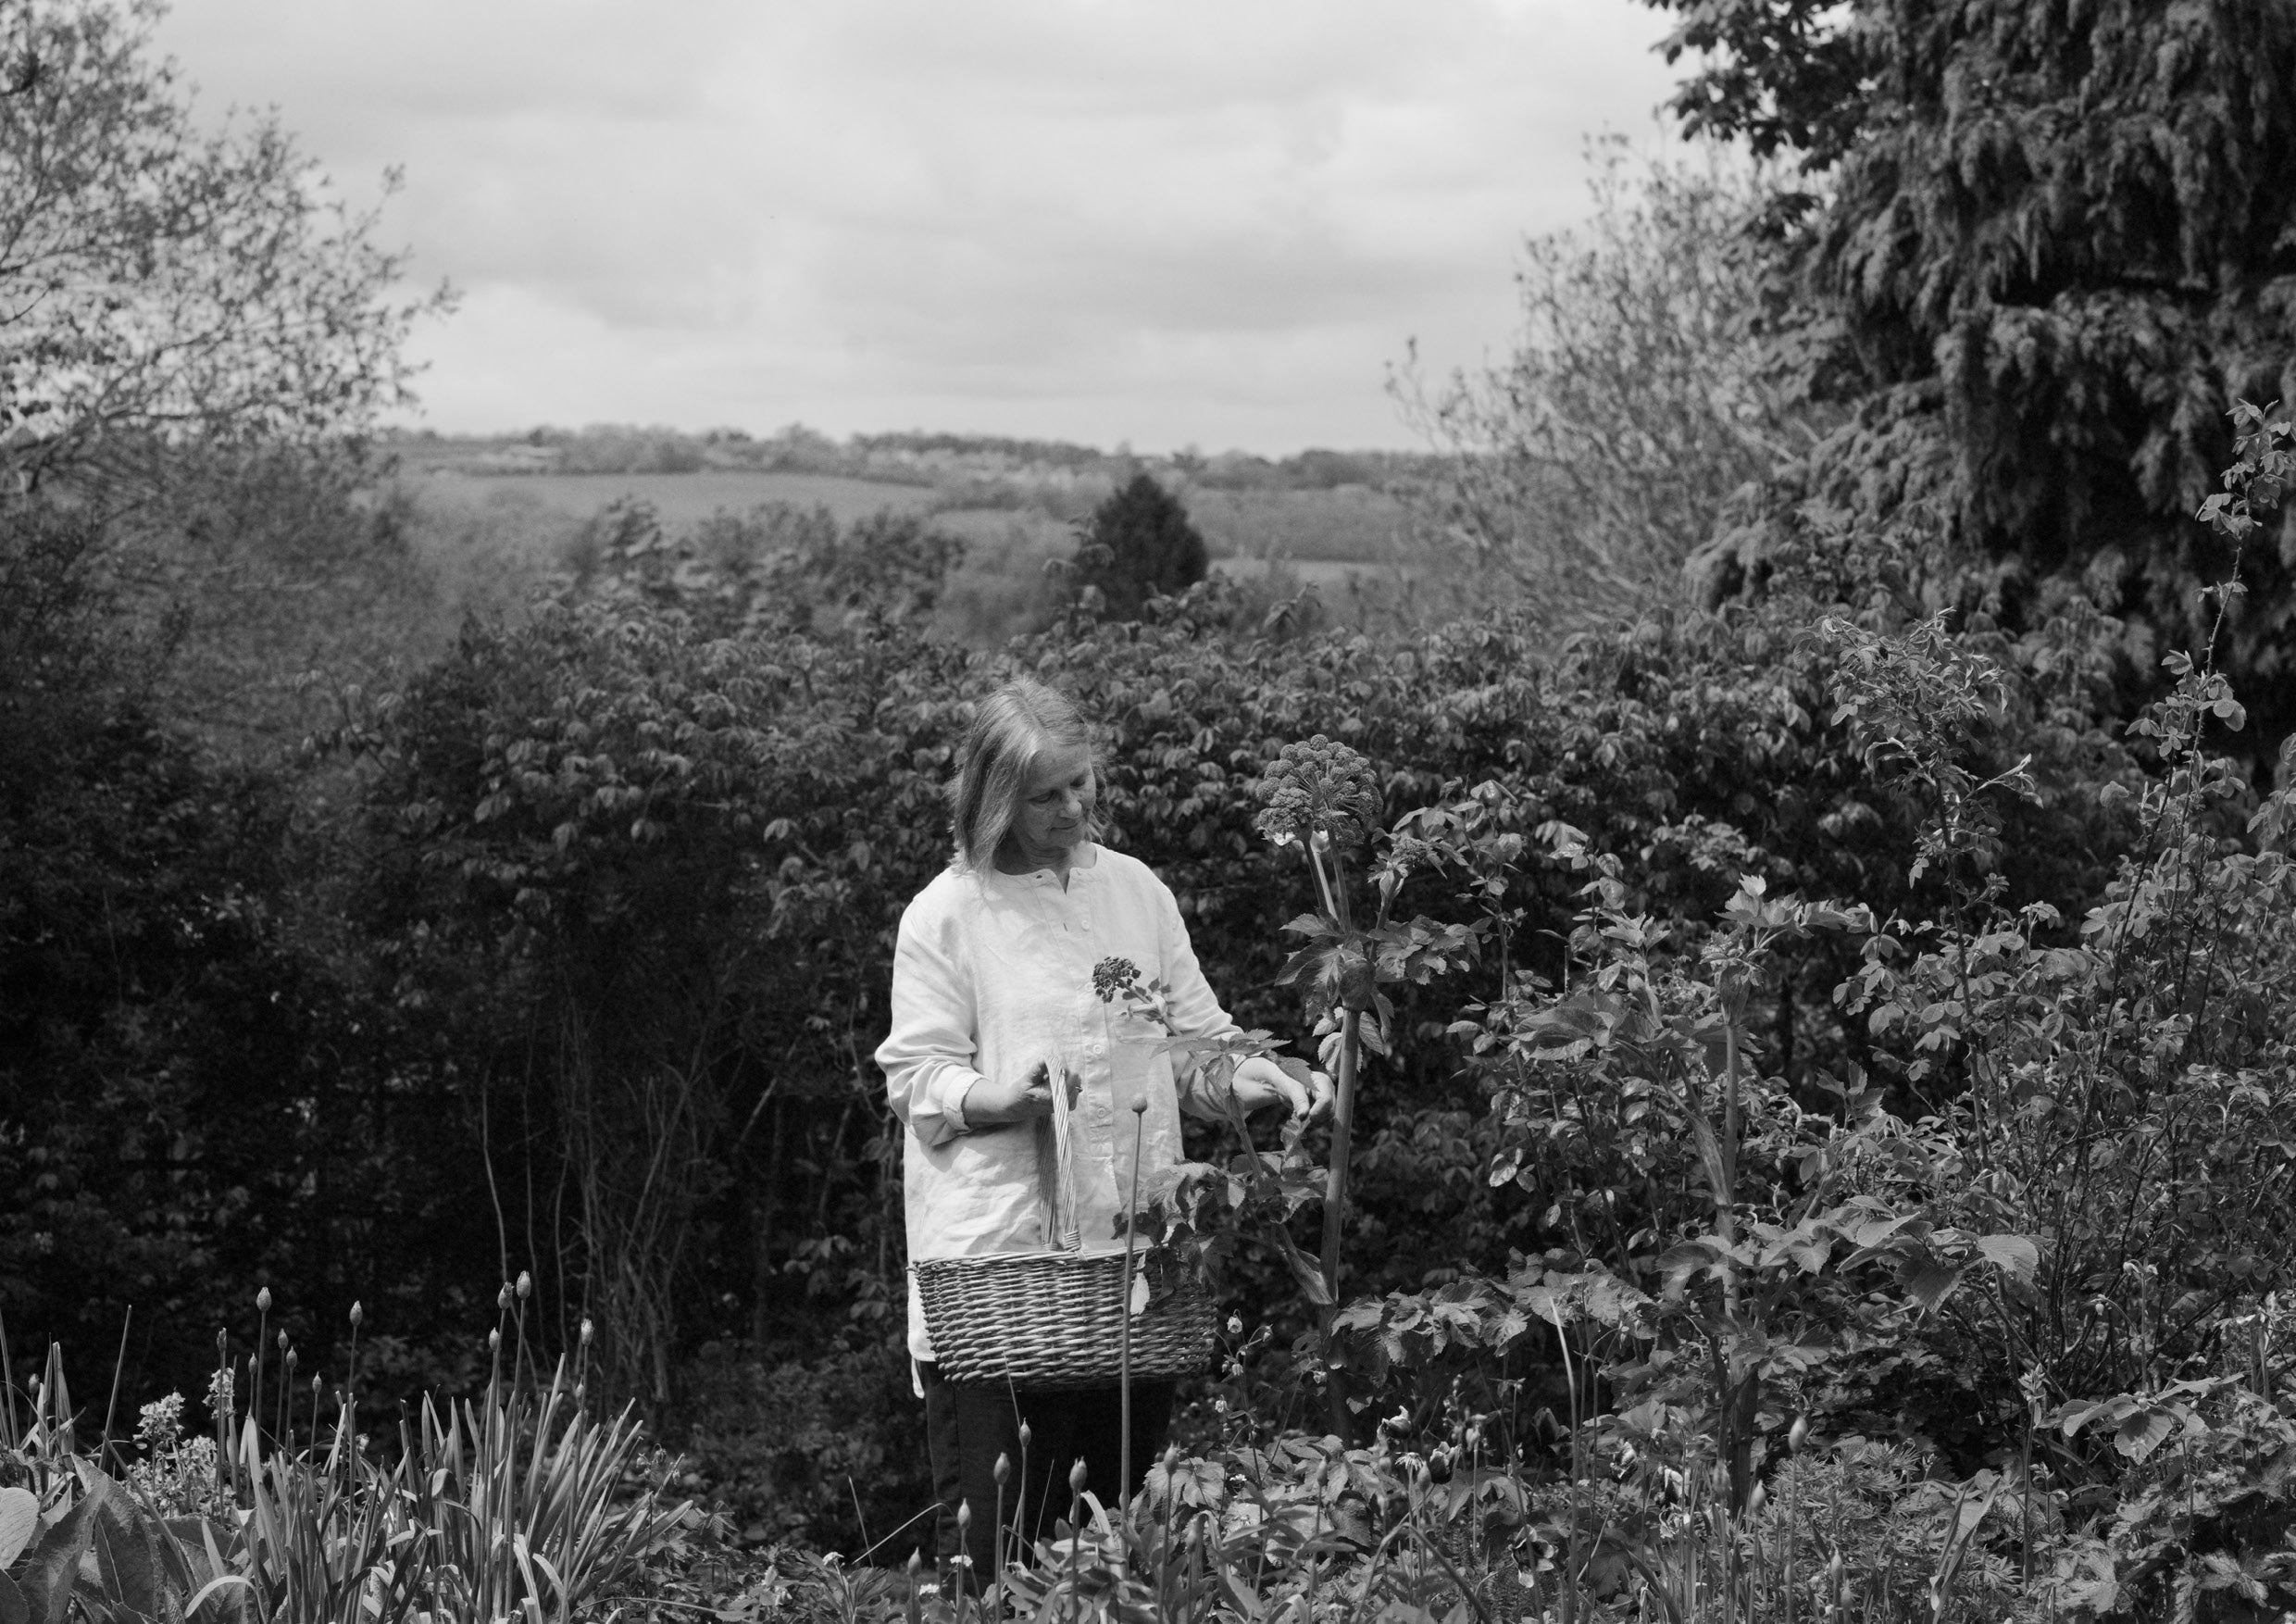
x: 1055, y: 1165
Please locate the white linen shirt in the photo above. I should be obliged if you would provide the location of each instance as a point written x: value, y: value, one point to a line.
x: 993, y: 973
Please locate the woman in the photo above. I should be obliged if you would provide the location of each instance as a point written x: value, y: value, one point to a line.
x: 992, y: 999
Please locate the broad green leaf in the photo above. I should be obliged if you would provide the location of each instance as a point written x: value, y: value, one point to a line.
x: 2016, y: 1255
x: 19, y: 1519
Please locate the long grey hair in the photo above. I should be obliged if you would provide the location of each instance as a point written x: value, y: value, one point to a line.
x: 1010, y: 730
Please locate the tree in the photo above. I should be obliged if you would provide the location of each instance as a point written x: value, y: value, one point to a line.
x: 1139, y: 545
x: 2058, y: 244
x: 1637, y: 398
x: 161, y: 283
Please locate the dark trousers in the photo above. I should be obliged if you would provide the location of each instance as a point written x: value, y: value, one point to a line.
x: 968, y: 1425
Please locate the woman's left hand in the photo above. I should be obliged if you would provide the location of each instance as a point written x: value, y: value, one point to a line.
x: 1259, y: 1082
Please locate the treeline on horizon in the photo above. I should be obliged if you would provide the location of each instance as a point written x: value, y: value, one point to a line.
x: 916, y: 457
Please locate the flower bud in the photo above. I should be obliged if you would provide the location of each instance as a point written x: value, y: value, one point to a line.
x: 282, y: 1342
x: 1003, y: 1469
x: 494, y: 1342
x: 1077, y: 1477
x: 502, y: 1298
x: 1235, y: 1325
x: 1799, y: 1433
x: 263, y: 1300
x: 1025, y: 1436
x: 917, y: 1563
x: 964, y: 1515
x: 357, y: 1314
x: 589, y: 1330
x: 526, y: 1285
x: 1759, y: 1498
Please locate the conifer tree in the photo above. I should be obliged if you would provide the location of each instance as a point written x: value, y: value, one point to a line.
x: 2046, y: 248
x: 1140, y: 543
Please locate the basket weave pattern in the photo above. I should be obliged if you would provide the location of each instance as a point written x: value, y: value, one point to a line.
x: 1055, y: 1320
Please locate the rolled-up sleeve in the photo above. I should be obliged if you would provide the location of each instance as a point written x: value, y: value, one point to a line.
x: 928, y: 1056
x: 1193, y: 1008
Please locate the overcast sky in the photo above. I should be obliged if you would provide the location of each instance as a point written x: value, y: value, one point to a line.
x: 1163, y: 222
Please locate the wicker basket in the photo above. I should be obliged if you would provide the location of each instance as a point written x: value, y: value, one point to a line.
x: 1055, y: 1320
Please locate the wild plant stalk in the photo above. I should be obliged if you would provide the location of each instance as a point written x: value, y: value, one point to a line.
x: 8, y: 1389
x: 1124, y: 1331
x: 111, y: 1405
x: 996, y: 1541
x: 963, y: 1557
x: 1076, y: 1534
x: 1332, y: 887
x: 350, y: 1391
x: 281, y: 1437
x: 255, y: 1376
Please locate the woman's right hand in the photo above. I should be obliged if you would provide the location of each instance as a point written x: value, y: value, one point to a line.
x: 994, y: 1102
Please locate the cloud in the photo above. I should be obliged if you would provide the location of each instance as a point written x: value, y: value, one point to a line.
x: 1097, y: 219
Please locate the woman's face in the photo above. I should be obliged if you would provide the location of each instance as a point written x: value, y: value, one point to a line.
x: 1056, y: 801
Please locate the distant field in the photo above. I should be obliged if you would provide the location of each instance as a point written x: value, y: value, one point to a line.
x: 679, y: 498
x: 1325, y: 535
x: 1353, y: 522
x: 1024, y: 527
x: 1328, y: 575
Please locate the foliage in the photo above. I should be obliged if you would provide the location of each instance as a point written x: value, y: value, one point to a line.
x: 1638, y: 396
x: 2051, y: 256
x: 196, y: 1099
x: 163, y: 283
x: 524, y: 1506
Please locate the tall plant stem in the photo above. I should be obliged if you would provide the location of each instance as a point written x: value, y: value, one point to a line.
x: 111, y: 1406
x: 1335, y: 1194
x: 1343, y: 1133
x: 1124, y: 1335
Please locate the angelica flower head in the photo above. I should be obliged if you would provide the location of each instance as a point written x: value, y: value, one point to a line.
x: 1114, y: 978
x: 1318, y: 787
